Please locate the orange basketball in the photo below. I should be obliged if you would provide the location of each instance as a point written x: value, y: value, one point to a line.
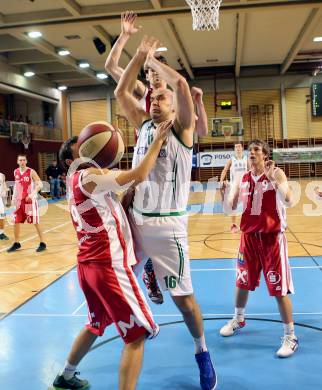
x: 101, y: 142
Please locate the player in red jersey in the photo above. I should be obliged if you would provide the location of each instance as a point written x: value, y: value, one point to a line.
x: 264, y: 192
x: 3, y: 200
x: 27, y: 186
x: 105, y: 257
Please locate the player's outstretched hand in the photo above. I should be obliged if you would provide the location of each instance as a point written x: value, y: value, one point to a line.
x: 128, y: 19
x: 148, y: 44
x: 163, y: 130
x: 269, y: 169
x: 196, y: 94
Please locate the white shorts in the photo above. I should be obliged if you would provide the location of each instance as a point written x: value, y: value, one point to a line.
x: 165, y: 241
x: 2, y: 209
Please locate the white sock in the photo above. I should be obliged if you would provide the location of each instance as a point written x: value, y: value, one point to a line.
x: 240, y: 314
x: 289, y: 329
x: 68, y: 371
x: 1, y: 231
x: 200, y: 344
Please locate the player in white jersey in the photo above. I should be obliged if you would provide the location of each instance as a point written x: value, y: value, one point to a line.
x: 143, y: 94
x: 3, y: 198
x: 237, y: 166
x: 159, y: 219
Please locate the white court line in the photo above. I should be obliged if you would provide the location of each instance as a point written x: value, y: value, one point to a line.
x: 192, y: 270
x: 36, y: 235
x: 234, y: 269
x: 162, y: 315
x: 79, y: 307
x: 34, y: 272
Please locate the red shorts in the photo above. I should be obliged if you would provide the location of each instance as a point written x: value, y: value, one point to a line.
x: 113, y: 295
x: 267, y: 252
x: 26, y: 212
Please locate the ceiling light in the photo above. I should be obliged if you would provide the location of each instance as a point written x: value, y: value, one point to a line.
x: 63, y: 52
x: 317, y: 39
x: 34, y: 34
x: 83, y: 64
x: 101, y: 75
x: 29, y: 74
x: 62, y: 87
x: 159, y: 49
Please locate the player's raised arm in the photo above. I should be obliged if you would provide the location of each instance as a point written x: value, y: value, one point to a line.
x: 38, y: 183
x: 201, y: 123
x: 102, y: 180
x: 184, y: 110
x: 279, y: 180
x: 125, y: 88
x: 112, y: 66
x: 225, y: 171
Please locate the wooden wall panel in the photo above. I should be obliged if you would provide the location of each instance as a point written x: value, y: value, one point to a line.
x: 85, y: 112
x: 261, y: 98
x: 121, y: 123
x: 300, y: 123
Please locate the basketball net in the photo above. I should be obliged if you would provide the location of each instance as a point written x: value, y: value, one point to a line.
x: 205, y: 14
x: 26, y: 141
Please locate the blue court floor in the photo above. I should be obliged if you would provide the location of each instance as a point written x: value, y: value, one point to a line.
x: 35, y: 339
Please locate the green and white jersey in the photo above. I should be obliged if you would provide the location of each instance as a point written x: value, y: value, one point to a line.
x: 238, y: 168
x: 2, y: 185
x: 165, y: 191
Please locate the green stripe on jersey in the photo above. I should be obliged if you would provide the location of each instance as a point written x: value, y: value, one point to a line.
x: 170, y: 214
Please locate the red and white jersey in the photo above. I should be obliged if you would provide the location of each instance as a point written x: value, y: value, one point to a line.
x: 101, y: 225
x: 262, y: 210
x: 23, y: 183
x: 145, y: 101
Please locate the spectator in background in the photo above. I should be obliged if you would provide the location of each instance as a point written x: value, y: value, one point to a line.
x: 50, y: 123
x: 20, y: 119
x: 53, y: 173
x: 1, y: 122
x: 63, y: 183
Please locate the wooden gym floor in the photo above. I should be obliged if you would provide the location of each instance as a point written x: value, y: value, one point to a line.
x: 25, y: 273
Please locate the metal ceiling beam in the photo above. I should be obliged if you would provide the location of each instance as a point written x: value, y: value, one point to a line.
x: 53, y: 67
x: 306, y: 30
x: 240, y: 39
x: 28, y: 57
x: 156, y: 4
x: 175, y: 40
x: 9, y: 43
x: 35, y: 17
x: 72, y: 7
x: 170, y: 9
x: 46, y: 48
x: 116, y: 8
x: 177, y: 44
x: 76, y: 10
x: 61, y: 77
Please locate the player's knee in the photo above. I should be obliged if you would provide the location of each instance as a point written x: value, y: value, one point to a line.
x: 186, y: 304
x: 137, y: 343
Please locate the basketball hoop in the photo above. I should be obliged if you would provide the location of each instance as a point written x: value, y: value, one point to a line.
x: 205, y: 14
x: 26, y: 141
